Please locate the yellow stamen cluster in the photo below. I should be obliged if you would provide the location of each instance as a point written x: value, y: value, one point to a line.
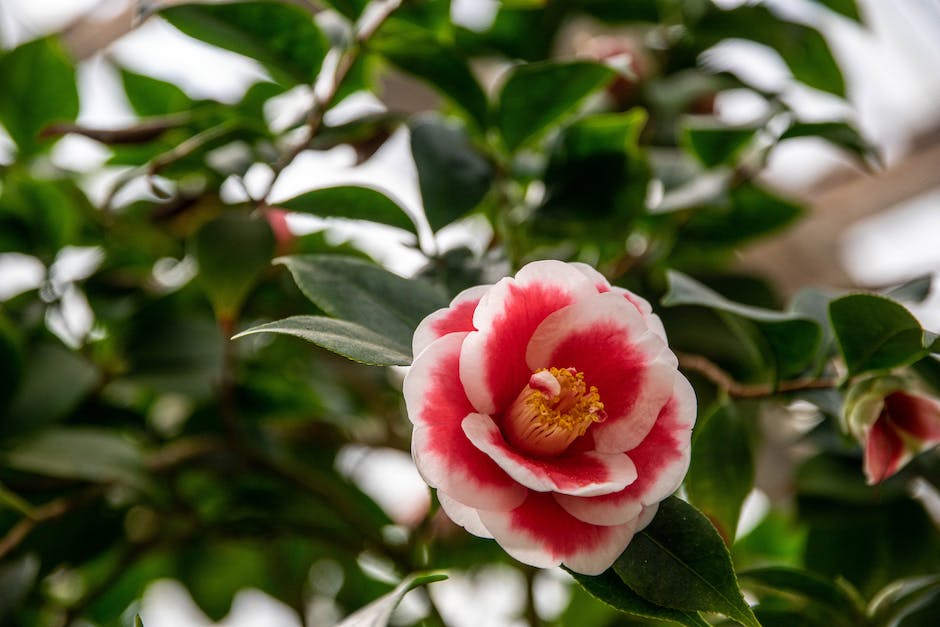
x: 552, y: 411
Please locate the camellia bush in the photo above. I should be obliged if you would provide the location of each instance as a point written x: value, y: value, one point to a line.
x: 594, y: 384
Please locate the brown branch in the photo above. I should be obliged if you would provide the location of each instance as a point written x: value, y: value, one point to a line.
x: 143, y: 131
x: 722, y: 379
x: 44, y: 513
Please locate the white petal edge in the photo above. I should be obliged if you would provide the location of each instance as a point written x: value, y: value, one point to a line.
x: 425, y: 333
x: 463, y: 515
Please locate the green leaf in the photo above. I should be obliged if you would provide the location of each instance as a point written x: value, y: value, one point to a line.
x: 138, y: 622
x: 841, y: 601
x: 538, y: 95
x: 152, y: 97
x: 752, y: 212
x: 722, y: 470
x: 11, y: 361
x: 77, y: 453
x: 610, y: 589
x: 29, y: 104
x: 875, y: 333
x: 353, y: 203
x: 680, y: 561
x: 232, y: 251
x: 903, y: 597
x: 377, y: 613
x: 915, y: 290
x: 848, y: 8
x: 840, y: 134
x: 418, y: 52
x: 453, y: 176
x: 789, y: 340
x: 361, y: 292
x: 283, y: 38
x: 17, y: 578
x: 713, y: 143
x: 345, y: 338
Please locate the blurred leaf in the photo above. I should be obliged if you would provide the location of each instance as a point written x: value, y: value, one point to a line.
x: 453, y: 176
x: 232, y: 251
x: 151, y: 97
x: 840, y: 134
x: 713, y: 143
x: 353, y: 203
x: 358, y: 291
x: 901, y: 598
x: 536, y: 96
x: 138, y: 622
x: 848, y: 8
x: 282, y: 37
x: 378, y: 613
x: 752, y: 212
x: 680, y: 561
x: 842, y: 606
x: 345, y: 338
x: 11, y: 361
x: 17, y: 578
x: 49, y: 213
x: 914, y: 291
x: 875, y: 333
x: 610, y: 589
x: 29, y: 104
x: 77, y: 453
x: 418, y: 52
x: 791, y: 340
x: 722, y: 470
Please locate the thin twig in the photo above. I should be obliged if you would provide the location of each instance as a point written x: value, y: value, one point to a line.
x: 44, y: 513
x: 531, y: 613
x: 725, y: 381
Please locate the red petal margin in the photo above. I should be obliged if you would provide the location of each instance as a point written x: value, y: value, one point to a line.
x: 539, y: 532
x: 884, y: 450
x: 661, y: 461
x: 492, y: 362
x: 455, y: 318
x: 446, y: 459
x: 915, y: 414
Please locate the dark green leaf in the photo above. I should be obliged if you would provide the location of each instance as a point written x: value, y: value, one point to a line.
x: 901, y: 598
x: 840, y: 134
x: 17, y: 578
x: 791, y: 340
x: 453, y: 176
x: 150, y: 96
x: 875, y: 333
x: 345, y: 338
x: 11, y: 361
x: 848, y: 8
x: 361, y: 292
x: 843, y: 603
x: 77, y: 453
x: 752, y: 212
x: 680, y: 561
x: 283, y: 38
x: 29, y: 104
x: 353, y: 203
x: 538, y: 95
x: 714, y: 143
x: 232, y: 251
x: 610, y: 589
x: 418, y: 52
x: 377, y: 613
x: 722, y: 470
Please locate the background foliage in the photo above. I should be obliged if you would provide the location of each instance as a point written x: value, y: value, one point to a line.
x: 155, y: 446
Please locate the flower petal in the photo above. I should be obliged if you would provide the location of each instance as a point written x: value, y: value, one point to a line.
x: 492, y: 361
x: 915, y: 414
x: 884, y: 451
x: 456, y: 317
x: 607, y: 339
x: 661, y: 460
x: 581, y: 473
x: 444, y: 456
x: 542, y: 534
x: 466, y: 517
x: 601, y: 284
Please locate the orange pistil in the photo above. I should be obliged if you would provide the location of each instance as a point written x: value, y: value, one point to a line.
x: 552, y: 411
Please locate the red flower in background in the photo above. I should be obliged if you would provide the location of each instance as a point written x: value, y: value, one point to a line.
x: 549, y: 414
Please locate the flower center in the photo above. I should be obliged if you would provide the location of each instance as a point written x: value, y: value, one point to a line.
x: 552, y: 411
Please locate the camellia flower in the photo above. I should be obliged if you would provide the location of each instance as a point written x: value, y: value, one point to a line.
x: 893, y: 422
x: 549, y: 414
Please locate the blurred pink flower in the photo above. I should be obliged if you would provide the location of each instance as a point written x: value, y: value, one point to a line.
x: 906, y: 425
x: 549, y: 414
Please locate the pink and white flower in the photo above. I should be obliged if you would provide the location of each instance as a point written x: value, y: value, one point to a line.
x: 894, y: 423
x: 549, y: 414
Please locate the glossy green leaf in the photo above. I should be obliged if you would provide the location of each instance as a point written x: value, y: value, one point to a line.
x: 419, y: 52
x: 357, y: 291
x: 345, y: 338
x: 353, y: 203
x: 875, y: 333
x: 713, y: 143
x: 610, y: 589
x: 282, y: 37
x: 537, y: 96
x: 840, y: 602
x: 29, y: 104
x: 151, y: 97
x: 88, y: 453
x: 453, y: 176
x: 232, y: 251
x: 790, y: 340
x: 680, y: 561
x: 840, y: 134
x: 378, y: 613
x: 721, y: 473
